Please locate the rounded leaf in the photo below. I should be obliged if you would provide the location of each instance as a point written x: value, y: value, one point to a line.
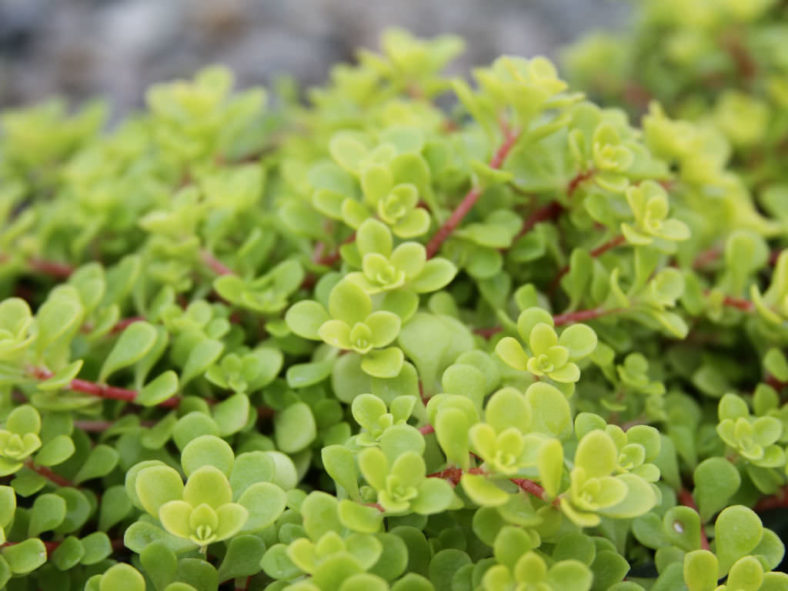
x: 579, y: 339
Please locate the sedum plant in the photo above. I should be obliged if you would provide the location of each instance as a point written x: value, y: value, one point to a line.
x: 369, y: 341
x: 720, y: 64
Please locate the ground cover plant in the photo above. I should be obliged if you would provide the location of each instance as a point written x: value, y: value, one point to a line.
x: 413, y: 333
x: 721, y: 64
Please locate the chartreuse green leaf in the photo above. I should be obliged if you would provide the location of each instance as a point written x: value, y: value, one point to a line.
x: 305, y: 319
x: 134, y: 343
x: 47, y: 513
x: 155, y: 485
x: 101, y: 461
x: 738, y: 530
x: 115, y: 505
x: 120, y: 576
x: 207, y: 450
x: 264, y: 502
x: 340, y: 464
x: 294, y: 427
x: 25, y: 557
x: 55, y: 451
x: 158, y: 390
x: 243, y: 557
x: 366, y: 341
x: 68, y: 554
x: 716, y: 480
x: 700, y: 570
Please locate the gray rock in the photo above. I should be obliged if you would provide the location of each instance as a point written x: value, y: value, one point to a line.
x: 116, y: 48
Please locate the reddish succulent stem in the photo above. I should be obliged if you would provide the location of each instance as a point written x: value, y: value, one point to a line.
x: 707, y: 257
x: 426, y: 429
x: 487, y: 333
x: 775, y: 383
x: 454, y: 474
x: 510, y: 137
x: 609, y: 245
x: 739, y: 303
x: 102, y: 390
x: 215, y: 264
x: 424, y: 398
x: 546, y: 212
x: 582, y: 315
x: 578, y: 179
x: 329, y: 260
x: 774, y: 255
x: 637, y: 95
x: 686, y: 499
x: 52, y: 268
x: 120, y: 326
x: 50, y: 475
x: 775, y: 501
x: 746, y: 66
x: 558, y: 319
x: 125, y: 323
x: 534, y: 489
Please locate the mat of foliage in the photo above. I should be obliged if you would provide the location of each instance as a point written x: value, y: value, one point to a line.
x: 366, y: 340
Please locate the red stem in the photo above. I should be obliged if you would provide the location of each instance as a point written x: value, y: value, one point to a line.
x: 775, y: 382
x: 775, y: 501
x: 487, y: 333
x: 686, y: 499
x: 125, y: 323
x: 50, y: 475
x: 746, y: 66
x: 707, y: 257
x: 424, y: 398
x: 53, y: 268
x: 215, y: 264
x: 558, y: 319
x: 546, y: 212
x: 510, y: 137
x: 582, y: 315
x: 426, y: 429
x: 534, y: 489
x: 329, y: 260
x: 578, y: 179
x: 102, y: 390
x: 739, y: 303
x: 454, y: 474
x: 609, y: 245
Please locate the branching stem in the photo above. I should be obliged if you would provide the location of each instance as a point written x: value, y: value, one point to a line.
x: 510, y: 137
x: 102, y: 390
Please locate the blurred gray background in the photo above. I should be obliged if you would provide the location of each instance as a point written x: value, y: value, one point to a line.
x: 116, y: 48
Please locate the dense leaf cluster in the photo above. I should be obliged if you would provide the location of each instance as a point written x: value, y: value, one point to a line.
x: 365, y: 342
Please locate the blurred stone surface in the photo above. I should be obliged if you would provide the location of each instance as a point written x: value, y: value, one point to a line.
x: 116, y: 48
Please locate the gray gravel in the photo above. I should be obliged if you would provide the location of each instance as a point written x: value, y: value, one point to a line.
x: 116, y: 48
